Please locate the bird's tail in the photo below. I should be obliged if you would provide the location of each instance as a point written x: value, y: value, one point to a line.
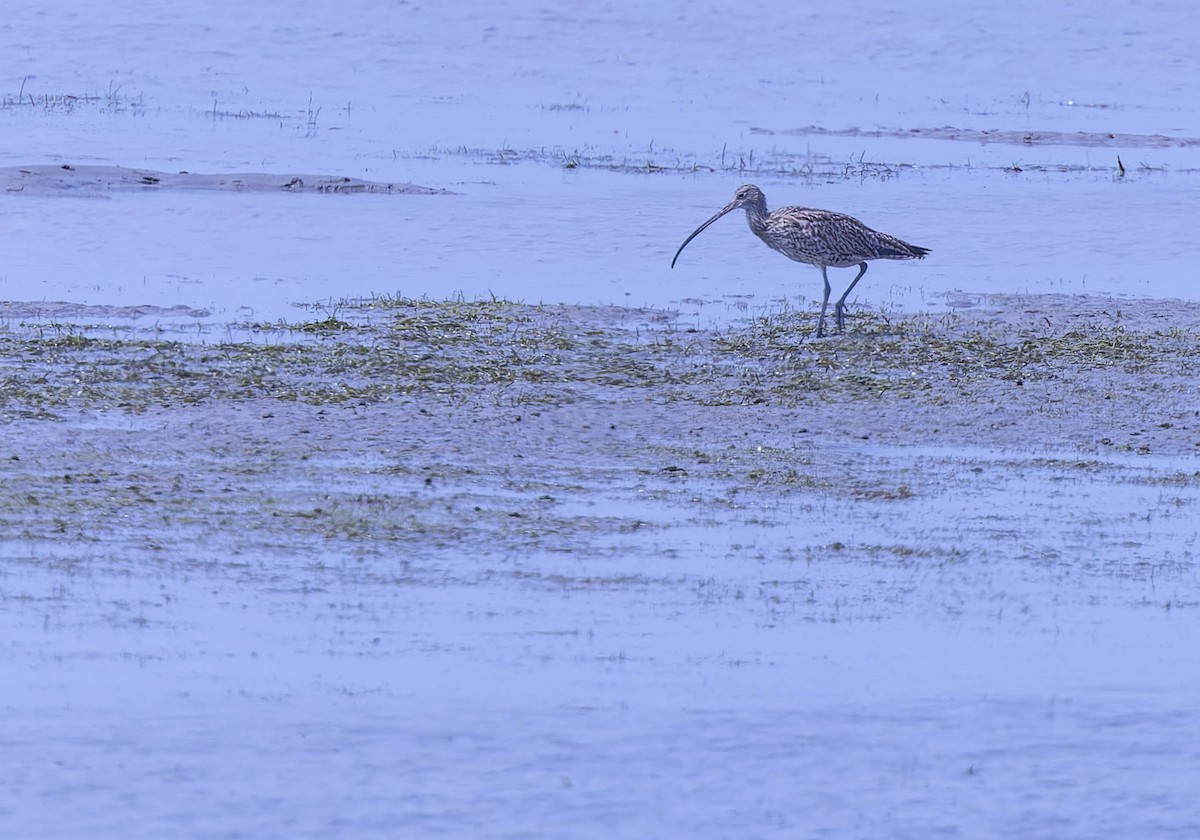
x: 898, y: 249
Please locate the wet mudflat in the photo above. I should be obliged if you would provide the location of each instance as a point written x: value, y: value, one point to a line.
x: 102, y: 180
x: 571, y: 544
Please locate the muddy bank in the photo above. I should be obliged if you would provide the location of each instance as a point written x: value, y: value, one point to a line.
x: 1044, y: 372
x: 1084, y: 139
x: 72, y: 179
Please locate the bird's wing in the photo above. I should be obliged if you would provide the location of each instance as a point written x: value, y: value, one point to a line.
x: 822, y: 235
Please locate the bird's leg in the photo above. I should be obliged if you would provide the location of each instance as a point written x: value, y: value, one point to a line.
x: 824, y: 304
x: 841, y: 304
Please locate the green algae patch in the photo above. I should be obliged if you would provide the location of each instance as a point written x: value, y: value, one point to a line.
x: 908, y: 375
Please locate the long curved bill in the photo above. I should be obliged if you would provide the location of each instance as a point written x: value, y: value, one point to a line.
x: 696, y: 232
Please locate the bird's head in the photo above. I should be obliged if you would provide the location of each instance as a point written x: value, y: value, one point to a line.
x: 747, y: 195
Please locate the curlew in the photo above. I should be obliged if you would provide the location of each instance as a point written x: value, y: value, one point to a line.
x: 816, y: 237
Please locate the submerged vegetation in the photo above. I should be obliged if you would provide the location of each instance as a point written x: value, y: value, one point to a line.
x: 774, y: 161
x: 113, y: 100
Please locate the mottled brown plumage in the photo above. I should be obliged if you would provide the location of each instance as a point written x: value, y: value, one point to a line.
x: 816, y: 237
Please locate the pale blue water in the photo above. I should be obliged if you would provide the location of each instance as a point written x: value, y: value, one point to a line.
x: 181, y: 702
x: 448, y: 96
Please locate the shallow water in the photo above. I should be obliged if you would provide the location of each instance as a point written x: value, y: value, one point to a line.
x: 669, y: 655
x: 374, y: 94
x: 1005, y: 653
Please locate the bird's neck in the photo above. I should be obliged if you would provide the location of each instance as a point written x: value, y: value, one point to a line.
x: 756, y: 215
